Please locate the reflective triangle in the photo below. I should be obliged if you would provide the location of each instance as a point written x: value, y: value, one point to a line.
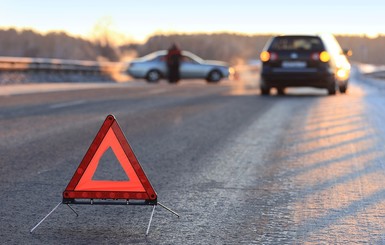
x: 82, y: 184
x: 86, y: 183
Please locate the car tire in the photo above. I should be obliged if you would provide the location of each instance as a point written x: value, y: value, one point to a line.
x: 153, y: 76
x: 332, y: 87
x: 214, y: 76
x: 265, y: 90
x: 343, y: 87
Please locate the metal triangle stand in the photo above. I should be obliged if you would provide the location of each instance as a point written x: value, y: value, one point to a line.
x: 109, y: 203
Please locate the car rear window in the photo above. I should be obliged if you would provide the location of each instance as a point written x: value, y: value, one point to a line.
x: 296, y: 43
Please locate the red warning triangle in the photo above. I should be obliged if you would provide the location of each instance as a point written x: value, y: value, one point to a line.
x: 82, y: 186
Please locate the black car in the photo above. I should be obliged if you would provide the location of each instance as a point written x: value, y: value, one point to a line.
x: 304, y: 61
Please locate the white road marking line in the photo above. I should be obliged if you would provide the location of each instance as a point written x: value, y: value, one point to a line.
x: 67, y: 104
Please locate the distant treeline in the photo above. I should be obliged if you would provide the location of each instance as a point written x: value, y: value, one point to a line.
x: 28, y: 43
x: 228, y: 47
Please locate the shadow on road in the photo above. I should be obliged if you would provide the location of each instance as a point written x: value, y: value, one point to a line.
x: 332, y: 160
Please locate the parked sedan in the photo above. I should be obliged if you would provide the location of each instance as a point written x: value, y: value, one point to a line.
x: 152, y: 67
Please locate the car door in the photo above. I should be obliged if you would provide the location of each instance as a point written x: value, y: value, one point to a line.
x: 190, y: 68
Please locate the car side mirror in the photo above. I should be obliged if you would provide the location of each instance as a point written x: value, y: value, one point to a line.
x: 348, y: 52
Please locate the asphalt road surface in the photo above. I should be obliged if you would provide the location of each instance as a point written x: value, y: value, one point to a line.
x: 238, y: 167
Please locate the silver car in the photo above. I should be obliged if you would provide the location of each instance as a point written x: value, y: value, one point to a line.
x: 152, y: 67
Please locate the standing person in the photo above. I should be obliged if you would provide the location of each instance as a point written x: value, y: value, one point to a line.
x: 173, y: 58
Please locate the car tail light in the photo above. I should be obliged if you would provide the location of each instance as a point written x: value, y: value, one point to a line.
x: 264, y: 56
x: 315, y: 56
x: 273, y: 56
x: 324, y: 56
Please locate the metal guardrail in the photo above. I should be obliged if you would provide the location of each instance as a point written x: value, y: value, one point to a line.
x: 373, y: 71
x: 60, y: 65
x: 376, y: 74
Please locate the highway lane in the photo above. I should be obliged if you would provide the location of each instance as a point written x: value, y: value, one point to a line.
x: 238, y: 167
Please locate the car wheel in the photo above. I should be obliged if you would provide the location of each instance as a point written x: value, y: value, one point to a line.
x: 265, y: 90
x: 343, y: 87
x: 332, y: 87
x: 153, y: 76
x: 281, y: 91
x: 214, y: 76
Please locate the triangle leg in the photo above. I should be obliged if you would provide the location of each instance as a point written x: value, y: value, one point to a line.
x: 41, y: 221
x: 149, y: 223
x: 73, y: 210
x: 168, y: 209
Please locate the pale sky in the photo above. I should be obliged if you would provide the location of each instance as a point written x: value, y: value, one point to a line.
x: 138, y: 19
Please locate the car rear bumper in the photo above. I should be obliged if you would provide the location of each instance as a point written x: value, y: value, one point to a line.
x: 309, y: 77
